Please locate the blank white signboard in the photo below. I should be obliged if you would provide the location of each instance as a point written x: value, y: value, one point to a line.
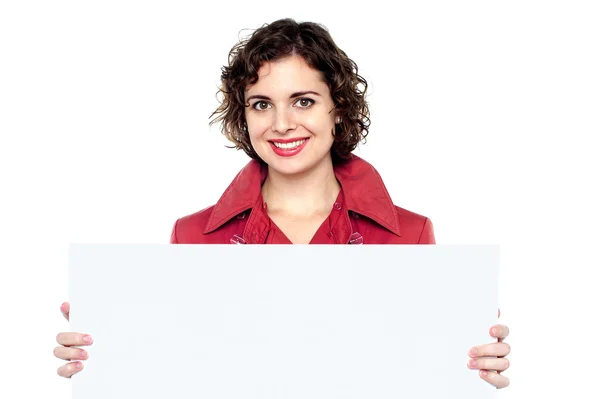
x: 282, y: 321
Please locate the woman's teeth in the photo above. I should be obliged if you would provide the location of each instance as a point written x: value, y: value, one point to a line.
x: 289, y: 146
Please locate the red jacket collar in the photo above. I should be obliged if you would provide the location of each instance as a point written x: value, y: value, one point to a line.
x: 356, y: 176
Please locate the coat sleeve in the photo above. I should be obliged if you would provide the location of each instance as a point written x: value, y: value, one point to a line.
x: 427, y: 235
x: 174, y: 233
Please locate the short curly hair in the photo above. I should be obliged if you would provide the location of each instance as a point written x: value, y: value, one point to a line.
x: 311, y: 41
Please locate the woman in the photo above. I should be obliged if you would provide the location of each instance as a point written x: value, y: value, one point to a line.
x: 292, y: 101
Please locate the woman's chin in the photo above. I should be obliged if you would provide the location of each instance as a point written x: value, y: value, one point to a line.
x: 297, y: 164
x: 288, y: 167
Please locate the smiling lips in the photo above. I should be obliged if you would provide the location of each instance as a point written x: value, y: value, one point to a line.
x: 288, y: 148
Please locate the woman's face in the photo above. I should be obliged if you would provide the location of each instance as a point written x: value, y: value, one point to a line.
x: 290, y: 117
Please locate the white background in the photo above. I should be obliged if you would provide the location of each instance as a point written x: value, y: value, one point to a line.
x: 484, y: 115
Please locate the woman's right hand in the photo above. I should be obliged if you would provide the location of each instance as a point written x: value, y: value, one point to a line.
x: 67, y: 350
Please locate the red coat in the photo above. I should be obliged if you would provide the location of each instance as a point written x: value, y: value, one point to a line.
x: 362, y: 213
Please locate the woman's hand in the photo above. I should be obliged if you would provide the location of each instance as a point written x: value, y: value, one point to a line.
x: 491, y: 368
x: 67, y: 350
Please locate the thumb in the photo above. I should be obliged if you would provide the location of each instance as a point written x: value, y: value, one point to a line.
x: 65, y: 308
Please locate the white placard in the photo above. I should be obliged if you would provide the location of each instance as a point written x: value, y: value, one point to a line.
x: 282, y: 321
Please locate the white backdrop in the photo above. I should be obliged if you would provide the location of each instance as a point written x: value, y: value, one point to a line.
x: 483, y: 118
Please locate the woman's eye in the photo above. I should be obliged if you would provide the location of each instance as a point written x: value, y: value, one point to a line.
x: 261, y: 105
x: 302, y: 102
x: 305, y: 102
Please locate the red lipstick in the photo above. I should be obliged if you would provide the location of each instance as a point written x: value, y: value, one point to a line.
x: 287, y: 152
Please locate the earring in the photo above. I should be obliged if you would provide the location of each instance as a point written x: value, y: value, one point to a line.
x: 338, y: 119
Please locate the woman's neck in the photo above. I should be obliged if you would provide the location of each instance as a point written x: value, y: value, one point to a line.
x: 303, y: 195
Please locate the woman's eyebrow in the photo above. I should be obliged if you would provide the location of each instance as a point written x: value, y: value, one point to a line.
x: 293, y: 95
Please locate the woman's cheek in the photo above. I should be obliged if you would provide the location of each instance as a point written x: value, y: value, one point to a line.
x: 258, y: 126
x: 318, y: 124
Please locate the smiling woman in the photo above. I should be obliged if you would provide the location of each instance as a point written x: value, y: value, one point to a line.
x: 295, y: 103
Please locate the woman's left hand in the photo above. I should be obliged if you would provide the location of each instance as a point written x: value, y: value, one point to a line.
x: 491, y: 368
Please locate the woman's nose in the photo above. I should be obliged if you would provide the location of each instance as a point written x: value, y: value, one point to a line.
x: 284, y: 121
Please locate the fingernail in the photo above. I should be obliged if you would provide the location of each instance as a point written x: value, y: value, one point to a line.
x: 79, y: 365
x: 87, y: 339
x: 483, y: 373
x: 473, y: 362
x: 473, y: 351
x: 494, y: 331
x: 83, y: 354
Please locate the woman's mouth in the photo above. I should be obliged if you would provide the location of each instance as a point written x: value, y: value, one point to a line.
x: 288, y: 148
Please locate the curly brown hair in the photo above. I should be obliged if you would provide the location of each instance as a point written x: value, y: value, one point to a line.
x: 311, y: 41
